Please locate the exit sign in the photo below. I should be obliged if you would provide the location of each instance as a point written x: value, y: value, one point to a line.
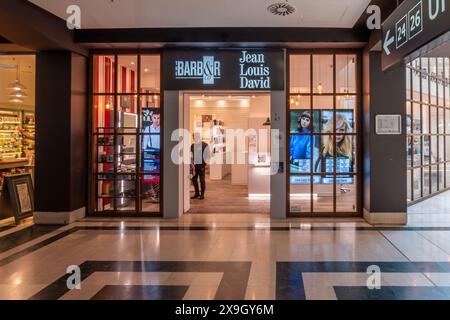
x: 412, y: 25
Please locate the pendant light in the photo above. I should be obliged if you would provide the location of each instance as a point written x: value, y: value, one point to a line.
x: 267, y: 123
x: 19, y: 94
x: 18, y: 89
x: 15, y: 100
x: 17, y: 85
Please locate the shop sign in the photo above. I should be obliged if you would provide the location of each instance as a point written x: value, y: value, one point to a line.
x: 245, y: 69
x: 412, y: 25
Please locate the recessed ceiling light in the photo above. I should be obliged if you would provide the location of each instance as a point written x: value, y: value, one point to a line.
x: 132, y: 63
x: 146, y: 70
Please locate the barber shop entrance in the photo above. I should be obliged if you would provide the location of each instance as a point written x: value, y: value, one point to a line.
x: 225, y: 100
x: 235, y: 129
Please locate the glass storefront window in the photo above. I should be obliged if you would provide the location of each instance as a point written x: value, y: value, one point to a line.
x: 433, y: 81
x: 417, y: 119
x: 300, y: 71
x: 150, y: 74
x: 417, y: 188
x: 408, y: 117
x: 127, y: 134
x: 430, y: 122
x: 408, y: 185
x: 323, y: 194
x: 323, y: 74
x: 104, y: 74
x: 323, y: 170
x: 346, y: 193
x: 447, y: 175
x: 346, y: 74
x: 127, y: 74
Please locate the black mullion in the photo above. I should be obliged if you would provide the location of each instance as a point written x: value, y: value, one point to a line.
x: 411, y: 140
x: 115, y: 155
x: 437, y: 124
x: 430, y: 165
x: 444, y: 84
x: 288, y: 134
x: 421, y: 131
x: 334, y: 137
x: 138, y: 205
x: 312, y: 133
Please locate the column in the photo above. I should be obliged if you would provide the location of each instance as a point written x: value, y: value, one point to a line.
x: 384, y: 162
x: 61, y: 137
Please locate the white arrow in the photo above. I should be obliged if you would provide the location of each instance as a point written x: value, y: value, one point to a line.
x: 387, y: 42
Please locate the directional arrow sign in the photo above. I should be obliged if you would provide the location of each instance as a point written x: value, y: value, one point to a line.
x: 387, y: 42
x: 412, y: 25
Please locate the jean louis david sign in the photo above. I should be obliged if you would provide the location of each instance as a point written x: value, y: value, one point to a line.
x: 224, y: 70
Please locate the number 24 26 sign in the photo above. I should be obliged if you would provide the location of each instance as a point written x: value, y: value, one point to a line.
x: 413, y: 24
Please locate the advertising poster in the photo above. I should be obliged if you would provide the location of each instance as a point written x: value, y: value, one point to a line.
x: 312, y: 145
x: 151, y: 144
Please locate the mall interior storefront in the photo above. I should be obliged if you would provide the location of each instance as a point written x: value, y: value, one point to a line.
x: 317, y: 109
x: 108, y: 101
x: 317, y: 112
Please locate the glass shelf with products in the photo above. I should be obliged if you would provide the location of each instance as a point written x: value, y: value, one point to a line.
x: 17, y: 143
x: 10, y: 136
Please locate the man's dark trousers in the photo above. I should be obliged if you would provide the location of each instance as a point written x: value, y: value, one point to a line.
x: 199, y: 173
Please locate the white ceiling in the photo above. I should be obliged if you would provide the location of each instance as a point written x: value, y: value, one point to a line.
x: 207, y: 13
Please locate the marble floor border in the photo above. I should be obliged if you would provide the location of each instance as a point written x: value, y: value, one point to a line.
x: 289, y: 275
x: 141, y: 292
x: 233, y: 284
x: 392, y: 293
x: 22, y: 236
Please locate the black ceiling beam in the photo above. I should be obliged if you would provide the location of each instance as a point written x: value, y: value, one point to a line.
x: 30, y: 26
x: 222, y: 35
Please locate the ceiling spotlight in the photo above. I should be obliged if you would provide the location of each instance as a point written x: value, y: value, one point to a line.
x: 281, y: 9
x: 146, y: 70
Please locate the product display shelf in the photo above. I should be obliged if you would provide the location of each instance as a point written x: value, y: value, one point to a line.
x: 17, y: 133
x: 116, y: 170
x: 10, y: 137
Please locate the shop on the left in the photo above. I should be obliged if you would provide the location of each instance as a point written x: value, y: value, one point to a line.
x: 17, y: 133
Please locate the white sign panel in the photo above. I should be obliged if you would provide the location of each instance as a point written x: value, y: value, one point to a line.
x: 388, y: 124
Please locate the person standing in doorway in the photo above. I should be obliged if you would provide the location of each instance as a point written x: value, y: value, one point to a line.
x: 200, y: 155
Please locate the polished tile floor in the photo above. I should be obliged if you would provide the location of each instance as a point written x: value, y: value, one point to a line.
x: 230, y: 257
